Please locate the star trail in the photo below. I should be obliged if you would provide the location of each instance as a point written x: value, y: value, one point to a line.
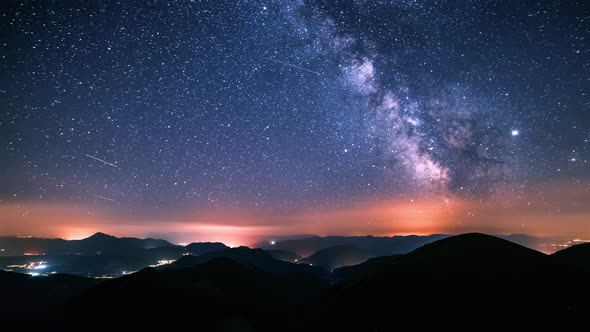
x: 294, y: 117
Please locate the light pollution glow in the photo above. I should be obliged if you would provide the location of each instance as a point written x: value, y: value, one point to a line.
x: 563, y: 210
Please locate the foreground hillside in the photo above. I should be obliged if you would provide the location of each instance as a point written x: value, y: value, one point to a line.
x: 577, y: 256
x: 466, y: 282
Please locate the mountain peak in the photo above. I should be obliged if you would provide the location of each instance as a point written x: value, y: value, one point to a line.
x: 475, y: 245
x: 100, y: 235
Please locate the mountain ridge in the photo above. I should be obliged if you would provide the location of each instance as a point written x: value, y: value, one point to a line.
x: 459, y: 281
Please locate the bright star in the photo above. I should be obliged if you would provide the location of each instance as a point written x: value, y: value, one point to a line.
x: 514, y: 132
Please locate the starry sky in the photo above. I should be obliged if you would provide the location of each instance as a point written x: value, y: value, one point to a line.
x: 227, y: 120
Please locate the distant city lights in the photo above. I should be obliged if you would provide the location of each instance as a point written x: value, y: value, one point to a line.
x: 163, y: 262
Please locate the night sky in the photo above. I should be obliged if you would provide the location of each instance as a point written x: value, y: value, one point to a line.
x: 226, y: 120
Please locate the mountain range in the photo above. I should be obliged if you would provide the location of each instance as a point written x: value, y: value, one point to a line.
x: 376, y: 246
x: 108, y: 256
x: 98, y: 243
x: 464, y: 282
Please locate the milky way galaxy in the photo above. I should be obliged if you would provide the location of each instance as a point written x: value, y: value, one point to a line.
x: 273, y: 117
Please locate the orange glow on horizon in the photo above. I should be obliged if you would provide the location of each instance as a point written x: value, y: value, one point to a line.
x: 560, y: 210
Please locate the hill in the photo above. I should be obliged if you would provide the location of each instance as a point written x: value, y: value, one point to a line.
x: 375, y: 246
x: 385, y: 246
x: 27, y: 298
x: 217, y: 295
x: 284, y: 255
x: 244, y: 255
x: 337, y: 256
x: 463, y: 281
x: 199, y: 248
x: 98, y: 243
x: 577, y: 255
x: 97, y: 255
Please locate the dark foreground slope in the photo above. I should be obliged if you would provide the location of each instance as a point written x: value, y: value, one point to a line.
x: 466, y: 282
x: 577, y: 256
x: 26, y: 298
x: 219, y: 295
x: 471, y: 281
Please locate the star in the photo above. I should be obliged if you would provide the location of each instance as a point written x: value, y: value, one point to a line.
x: 227, y: 105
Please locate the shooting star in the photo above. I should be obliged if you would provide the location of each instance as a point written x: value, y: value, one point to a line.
x: 291, y: 65
x: 102, y: 197
x: 102, y: 161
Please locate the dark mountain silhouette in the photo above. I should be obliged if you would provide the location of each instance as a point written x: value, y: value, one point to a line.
x: 199, y: 248
x: 577, y: 255
x: 375, y: 246
x: 93, y: 265
x: 160, y: 253
x: 105, y: 255
x: 363, y: 269
x: 462, y: 281
x: 465, y: 282
x: 27, y: 298
x: 337, y: 256
x: 383, y: 246
x: 472, y: 248
x: 104, y: 243
x: 98, y: 243
x: 130, y: 254
x: 211, y: 296
x: 145, y: 300
x: 254, y: 257
x: 17, y: 246
x: 284, y: 255
x: 376, y: 263
x: 100, y: 237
